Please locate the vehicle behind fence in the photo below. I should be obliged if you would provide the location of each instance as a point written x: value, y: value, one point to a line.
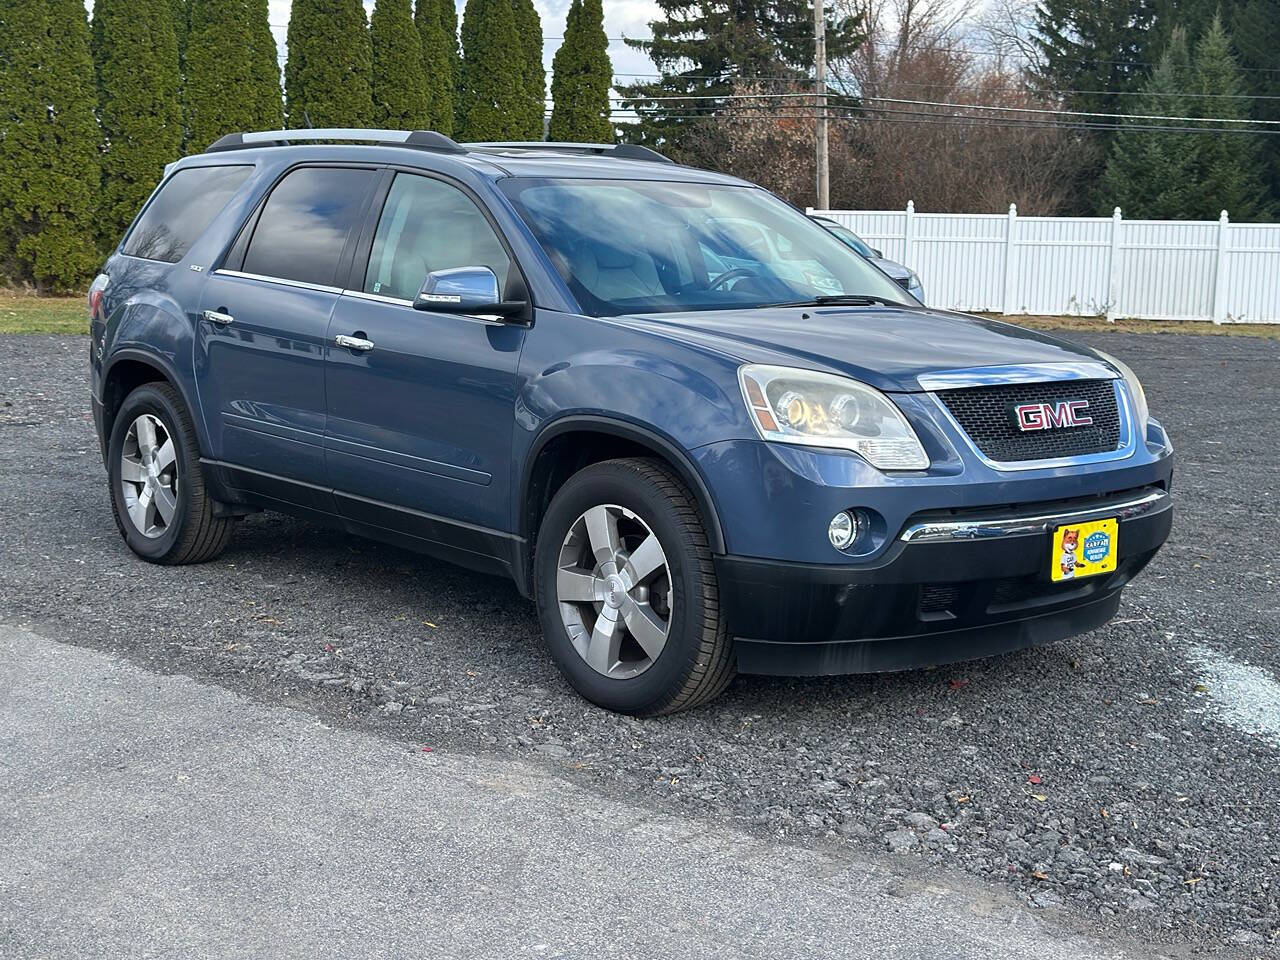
x: 1083, y: 266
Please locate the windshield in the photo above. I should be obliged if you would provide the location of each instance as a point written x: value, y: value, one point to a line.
x: 653, y: 246
x: 849, y: 238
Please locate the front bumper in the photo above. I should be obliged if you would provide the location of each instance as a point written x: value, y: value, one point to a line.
x: 950, y: 587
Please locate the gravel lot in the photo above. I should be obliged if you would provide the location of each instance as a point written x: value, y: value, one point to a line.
x: 1127, y: 776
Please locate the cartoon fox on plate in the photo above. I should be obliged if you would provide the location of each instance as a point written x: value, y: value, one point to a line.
x: 1070, y: 538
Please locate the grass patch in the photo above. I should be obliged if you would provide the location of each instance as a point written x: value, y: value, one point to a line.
x: 26, y: 314
x: 1266, y: 331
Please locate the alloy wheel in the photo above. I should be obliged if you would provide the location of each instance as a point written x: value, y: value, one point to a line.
x: 149, y: 476
x: 613, y: 585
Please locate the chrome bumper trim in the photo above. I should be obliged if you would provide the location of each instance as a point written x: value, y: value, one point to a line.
x: 941, y: 531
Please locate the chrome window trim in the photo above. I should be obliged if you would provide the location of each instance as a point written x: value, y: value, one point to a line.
x: 1016, y: 373
x: 280, y: 280
x: 1128, y: 436
x: 377, y: 298
x: 942, y: 531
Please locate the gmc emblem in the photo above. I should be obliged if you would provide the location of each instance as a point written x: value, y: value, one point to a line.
x: 1048, y: 416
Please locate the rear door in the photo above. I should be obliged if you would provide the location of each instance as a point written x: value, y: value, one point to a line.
x: 265, y: 313
x: 419, y: 425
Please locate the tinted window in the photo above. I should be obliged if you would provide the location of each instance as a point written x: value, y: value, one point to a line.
x: 428, y: 225
x: 305, y: 224
x: 180, y: 212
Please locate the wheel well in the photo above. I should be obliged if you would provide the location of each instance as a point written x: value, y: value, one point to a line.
x: 123, y: 378
x: 566, y: 453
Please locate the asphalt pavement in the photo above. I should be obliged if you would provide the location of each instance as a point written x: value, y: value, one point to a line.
x: 145, y: 815
x: 1124, y: 780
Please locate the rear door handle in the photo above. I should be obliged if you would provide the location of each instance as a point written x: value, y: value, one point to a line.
x: 221, y: 319
x: 353, y: 343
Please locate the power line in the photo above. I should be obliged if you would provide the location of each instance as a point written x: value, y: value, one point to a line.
x: 952, y: 106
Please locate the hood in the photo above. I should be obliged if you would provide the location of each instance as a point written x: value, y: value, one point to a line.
x: 892, y: 267
x: 886, y: 347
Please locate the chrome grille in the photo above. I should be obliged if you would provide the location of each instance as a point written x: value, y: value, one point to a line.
x: 986, y: 415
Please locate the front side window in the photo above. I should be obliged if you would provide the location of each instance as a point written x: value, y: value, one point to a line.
x: 429, y: 225
x: 182, y: 210
x: 652, y: 246
x: 305, y: 224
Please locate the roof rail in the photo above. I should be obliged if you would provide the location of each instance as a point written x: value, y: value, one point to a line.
x: 621, y: 151
x: 422, y: 139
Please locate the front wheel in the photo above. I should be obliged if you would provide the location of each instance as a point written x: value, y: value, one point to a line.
x: 627, y: 591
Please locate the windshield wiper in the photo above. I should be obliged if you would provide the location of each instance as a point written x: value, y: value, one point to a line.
x: 843, y: 299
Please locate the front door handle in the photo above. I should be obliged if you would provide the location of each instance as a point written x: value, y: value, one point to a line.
x: 353, y: 343
x: 221, y: 319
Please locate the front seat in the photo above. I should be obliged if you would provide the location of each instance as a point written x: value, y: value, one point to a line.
x: 612, y: 273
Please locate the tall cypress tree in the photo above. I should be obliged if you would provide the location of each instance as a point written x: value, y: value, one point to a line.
x: 400, y: 98
x: 49, y: 150
x: 581, y: 75
x: 135, y: 58
x: 449, y: 24
x: 1227, y: 165
x: 220, y: 94
x: 493, y: 104
x: 437, y: 61
x: 329, y: 74
x: 268, y: 107
x: 534, y: 75
x: 702, y: 47
x: 1151, y: 174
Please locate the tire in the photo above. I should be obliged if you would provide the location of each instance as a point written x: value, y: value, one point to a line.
x: 587, y: 608
x: 190, y: 533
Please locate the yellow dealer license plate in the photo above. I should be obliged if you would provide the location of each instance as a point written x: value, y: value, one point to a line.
x: 1084, y: 549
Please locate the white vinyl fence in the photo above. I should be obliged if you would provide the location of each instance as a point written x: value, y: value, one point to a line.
x: 1083, y: 266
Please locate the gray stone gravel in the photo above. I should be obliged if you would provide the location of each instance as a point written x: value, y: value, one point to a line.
x: 1100, y: 775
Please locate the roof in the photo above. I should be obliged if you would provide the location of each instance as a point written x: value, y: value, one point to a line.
x: 434, y: 151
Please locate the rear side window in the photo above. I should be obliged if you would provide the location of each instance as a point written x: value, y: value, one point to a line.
x: 305, y: 224
x: 182, y: 210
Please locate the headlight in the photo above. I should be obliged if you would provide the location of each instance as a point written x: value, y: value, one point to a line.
x: 815, y: 409
x: 1139, y: 396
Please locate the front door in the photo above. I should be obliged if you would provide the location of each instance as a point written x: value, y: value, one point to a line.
x: 419, y: 425
x: 261, y: 345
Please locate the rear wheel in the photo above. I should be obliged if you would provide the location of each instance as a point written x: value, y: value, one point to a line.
x: 157, y: 487
x: 627, y: 592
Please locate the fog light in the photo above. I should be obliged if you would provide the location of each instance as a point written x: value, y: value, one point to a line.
x: 842, y: 530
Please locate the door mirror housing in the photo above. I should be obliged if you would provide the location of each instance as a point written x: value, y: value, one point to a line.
x: 472, y: 290
x: 878, y: 254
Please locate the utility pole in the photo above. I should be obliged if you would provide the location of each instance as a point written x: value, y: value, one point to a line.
x: 820, y: 89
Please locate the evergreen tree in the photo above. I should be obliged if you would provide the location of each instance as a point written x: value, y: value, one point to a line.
x: 49, y: 148
x: 1227, y: 165
x: 581, y: 75
x: 449, y: 24
x: 178, y: 11
x: 1151, y: 174
x: 1095, y: 49
x: 702, y: 47
x: 437, y: 59
x: 534, y: 78
x: 220, y: 95
x: 493, y: 104
x: 400, y: 98
x: 329, y: 74
x: 135, y: 58
x: 1255, y: 32
x: 268, y: 109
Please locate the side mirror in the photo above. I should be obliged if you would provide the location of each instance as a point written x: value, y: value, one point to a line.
x: 465, y: 290
x: 878, y: 254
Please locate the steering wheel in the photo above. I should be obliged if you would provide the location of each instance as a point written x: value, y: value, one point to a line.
x: 737, y: 273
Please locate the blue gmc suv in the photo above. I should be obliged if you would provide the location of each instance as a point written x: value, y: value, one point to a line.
x: 702, y: 434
